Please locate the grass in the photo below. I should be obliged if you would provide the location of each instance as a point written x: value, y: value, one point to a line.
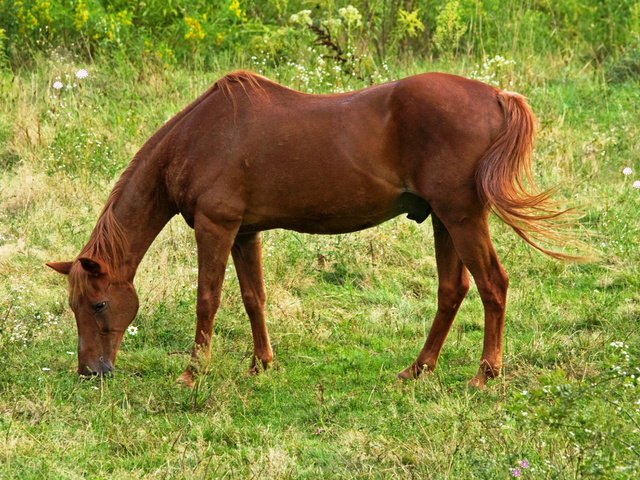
x: 345, y: 313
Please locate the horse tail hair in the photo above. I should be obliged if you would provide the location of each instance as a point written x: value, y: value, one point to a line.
x: 501, y: 177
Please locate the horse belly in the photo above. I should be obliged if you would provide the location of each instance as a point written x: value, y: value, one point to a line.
x: 341, y: 222
x: 342, y: 215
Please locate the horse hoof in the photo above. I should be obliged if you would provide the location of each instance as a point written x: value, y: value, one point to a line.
x: 479, y: 382
x: 186, y: 379
x: 255, y: 369
x: 409, y: 373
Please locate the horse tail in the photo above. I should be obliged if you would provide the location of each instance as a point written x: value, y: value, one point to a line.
x: 501, y: 176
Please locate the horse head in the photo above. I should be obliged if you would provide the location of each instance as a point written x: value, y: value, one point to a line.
x: 104, y: 306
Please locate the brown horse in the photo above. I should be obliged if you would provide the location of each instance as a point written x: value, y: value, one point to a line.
x: 250, y: 155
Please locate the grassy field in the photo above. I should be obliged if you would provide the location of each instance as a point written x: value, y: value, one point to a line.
x: 346, y: 313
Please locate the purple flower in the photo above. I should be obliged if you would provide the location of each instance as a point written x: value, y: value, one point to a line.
x: 516, y: 472
x: 524, y: 463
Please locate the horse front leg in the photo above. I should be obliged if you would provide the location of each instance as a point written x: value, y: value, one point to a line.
x: 453, y: 284
x: 214, y: 242
x: 247, y: 256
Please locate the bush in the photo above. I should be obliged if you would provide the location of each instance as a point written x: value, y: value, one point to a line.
x: 181, y: 30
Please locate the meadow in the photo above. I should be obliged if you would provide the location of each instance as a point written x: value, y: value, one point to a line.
x: 345, y: 313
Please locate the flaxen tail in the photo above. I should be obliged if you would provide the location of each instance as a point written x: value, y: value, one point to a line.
x: 501, y: 177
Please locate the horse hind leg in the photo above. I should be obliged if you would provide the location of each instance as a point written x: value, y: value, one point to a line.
x: 470, y: 235
x: 247, y: 256
x: 453, y: 284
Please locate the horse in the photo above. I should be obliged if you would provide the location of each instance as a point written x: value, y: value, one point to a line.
x: 251, y: 155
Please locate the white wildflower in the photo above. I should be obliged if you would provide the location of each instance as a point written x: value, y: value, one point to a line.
x: 351, y: 15
x: 303, y: 17
x: 132, y: 330
x: 57, y: 85
x: 82, y: 73
x: 627, y: 171
x: 45, y: 369
x: 636, y: 184
x: 332, y: 23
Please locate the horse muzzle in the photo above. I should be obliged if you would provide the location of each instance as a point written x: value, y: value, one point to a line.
x: 101, y: 367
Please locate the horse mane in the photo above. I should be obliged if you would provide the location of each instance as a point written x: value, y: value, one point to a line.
x: 248, y: 81
x: 107, y: 243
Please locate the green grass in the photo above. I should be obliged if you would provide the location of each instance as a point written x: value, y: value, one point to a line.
x: 341, y: 329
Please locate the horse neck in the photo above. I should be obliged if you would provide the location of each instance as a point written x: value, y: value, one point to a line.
x: 136, y: 211
x: 139, y: 206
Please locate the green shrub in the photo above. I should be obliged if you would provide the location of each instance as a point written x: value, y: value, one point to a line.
x: 183, y: 31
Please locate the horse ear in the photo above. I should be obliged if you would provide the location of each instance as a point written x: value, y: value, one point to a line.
x: 94, y: 268
x: 60, y: 267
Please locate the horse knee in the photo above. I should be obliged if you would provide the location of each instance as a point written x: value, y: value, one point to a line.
x: 207, y: 305
x: 253, y: 302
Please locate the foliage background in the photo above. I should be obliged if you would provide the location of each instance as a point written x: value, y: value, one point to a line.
x: 178, y: 31
x: 345, y: 312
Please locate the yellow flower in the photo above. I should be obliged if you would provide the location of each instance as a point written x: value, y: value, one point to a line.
x: 195, y: 31
x: 237, y: 9
x: 410, y: 22
x: 81, y: 15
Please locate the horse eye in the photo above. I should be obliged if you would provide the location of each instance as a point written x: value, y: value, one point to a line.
x: 98, y: 307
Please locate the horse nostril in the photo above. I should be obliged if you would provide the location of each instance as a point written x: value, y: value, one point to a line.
x: 105, y: 367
